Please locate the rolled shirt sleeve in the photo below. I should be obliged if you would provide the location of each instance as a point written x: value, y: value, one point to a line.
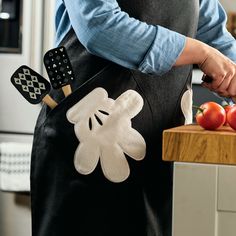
x: 212, y: 28
x: 107, y: 31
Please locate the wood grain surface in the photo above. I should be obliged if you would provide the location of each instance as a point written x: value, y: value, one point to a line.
x: 191, y: 143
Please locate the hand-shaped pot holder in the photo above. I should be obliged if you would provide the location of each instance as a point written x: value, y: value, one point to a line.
x: 104, y: 128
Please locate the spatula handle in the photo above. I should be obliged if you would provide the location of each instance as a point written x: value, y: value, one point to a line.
x: 49, y: 101
x: 67, y: 90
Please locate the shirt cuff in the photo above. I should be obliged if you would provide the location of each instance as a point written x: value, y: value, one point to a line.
x: 163, y: 53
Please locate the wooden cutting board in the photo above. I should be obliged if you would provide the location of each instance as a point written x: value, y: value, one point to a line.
x: 191, y: 143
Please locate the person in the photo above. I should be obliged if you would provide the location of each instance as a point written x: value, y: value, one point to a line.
x: 133, y: 63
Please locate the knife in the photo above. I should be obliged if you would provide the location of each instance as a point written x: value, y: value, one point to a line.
x: 59, y: 69
x: 32, y: 86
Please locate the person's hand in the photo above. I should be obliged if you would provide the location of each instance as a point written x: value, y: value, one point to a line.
x: 222, y: 71
x: 213, y: 63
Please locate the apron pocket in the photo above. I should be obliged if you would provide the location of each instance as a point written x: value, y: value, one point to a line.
x: 102, y: 121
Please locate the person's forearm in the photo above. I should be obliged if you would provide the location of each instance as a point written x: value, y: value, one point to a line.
x: 195, y: 52
x: 213, y: 63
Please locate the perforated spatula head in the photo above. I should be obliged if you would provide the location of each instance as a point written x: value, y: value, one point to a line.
x: 32, y: 86
x: 58, y: 66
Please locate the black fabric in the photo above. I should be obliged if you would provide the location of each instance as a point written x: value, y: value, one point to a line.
x: 65, y: 202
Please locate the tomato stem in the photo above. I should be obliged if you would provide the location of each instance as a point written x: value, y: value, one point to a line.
x: 198, y: 108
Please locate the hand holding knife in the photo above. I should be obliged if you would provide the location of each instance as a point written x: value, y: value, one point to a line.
x: 208, y: 79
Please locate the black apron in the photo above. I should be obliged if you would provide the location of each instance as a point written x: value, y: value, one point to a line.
x: 65, y: 202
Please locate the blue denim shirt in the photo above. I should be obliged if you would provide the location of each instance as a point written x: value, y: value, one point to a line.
x: 108, y: 32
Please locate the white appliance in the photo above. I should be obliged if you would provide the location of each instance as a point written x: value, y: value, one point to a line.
x: 17, y: 116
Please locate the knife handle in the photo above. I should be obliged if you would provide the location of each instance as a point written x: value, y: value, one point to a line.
x: 208, y: 79
x: 49, y: 101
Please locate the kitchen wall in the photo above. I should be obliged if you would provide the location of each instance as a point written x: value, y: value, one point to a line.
x: 229, y: 5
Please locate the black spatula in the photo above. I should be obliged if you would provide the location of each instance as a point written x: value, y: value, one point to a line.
x: 32, y: 86
x: 59, y: 69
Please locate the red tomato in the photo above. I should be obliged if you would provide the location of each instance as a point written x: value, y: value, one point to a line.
x: 231, y: 117
x: 211, y: 115
x: 227, y: 108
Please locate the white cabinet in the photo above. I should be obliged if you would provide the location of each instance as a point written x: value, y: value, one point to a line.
x: 204, y: 202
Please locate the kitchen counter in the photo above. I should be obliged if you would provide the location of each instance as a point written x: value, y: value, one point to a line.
x: 191, y: 143
x: 204, y: 194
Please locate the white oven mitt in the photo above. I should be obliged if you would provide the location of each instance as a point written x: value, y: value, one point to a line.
x: 186, y: 106
x: 103, y: 127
